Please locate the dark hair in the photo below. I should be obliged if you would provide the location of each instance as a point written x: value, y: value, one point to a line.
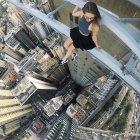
x: 91, y: 7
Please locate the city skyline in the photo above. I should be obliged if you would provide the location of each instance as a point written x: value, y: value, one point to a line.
x: 94, y: 97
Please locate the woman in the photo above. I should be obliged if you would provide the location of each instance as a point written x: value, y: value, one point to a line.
x: 85, y: 35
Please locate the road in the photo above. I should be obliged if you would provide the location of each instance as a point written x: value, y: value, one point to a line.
x: 107, y: 114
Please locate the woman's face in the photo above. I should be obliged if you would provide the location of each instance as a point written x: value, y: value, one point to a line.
x: 89, y: 16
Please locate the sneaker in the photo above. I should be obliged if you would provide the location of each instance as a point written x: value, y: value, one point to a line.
x: 62, y: 62
x: 74, y: 55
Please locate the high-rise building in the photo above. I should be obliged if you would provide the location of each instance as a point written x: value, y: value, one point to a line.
x: 13, y: 15
x: 9, y: 78
x: 60, y: 128
x: 12, y: 43
x: 133, y: 67
x: 16, y: 16
x: 9, y: 53
x: 29, y: 86
x: 25, y: 40
x: 42, y: 79
x: 28, y: 63
x: 24, y: 16
x: 45, y: 6
x: 37, y: 61
x: 8, y: 58
x: 53, y: 105
x: 6, y: 94
x: 11, y: 113
x: 90, y: 101
x: 38, y: 28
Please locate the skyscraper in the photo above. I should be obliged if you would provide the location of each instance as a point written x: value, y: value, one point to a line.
x: 24, y: 39
x: 29, y: 86
x: 91, y: 100
x: 11, y: 113
x: 15, y: 45
x: 40, y: 73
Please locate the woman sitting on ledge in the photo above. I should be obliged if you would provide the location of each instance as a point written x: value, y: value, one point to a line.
x: 85, y: 35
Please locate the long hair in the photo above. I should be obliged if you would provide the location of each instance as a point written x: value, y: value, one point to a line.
x: 91, y: 7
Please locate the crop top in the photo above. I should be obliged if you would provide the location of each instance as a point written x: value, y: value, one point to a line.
x: 84, y: 25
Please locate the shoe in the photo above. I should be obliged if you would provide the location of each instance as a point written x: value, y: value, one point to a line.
x: 62, y: 62
x: 74, y: 55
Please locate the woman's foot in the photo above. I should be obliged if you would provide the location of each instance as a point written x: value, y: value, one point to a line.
x: 62, y: 62
x: 74, y: 55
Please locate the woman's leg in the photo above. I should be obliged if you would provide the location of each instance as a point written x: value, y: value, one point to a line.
x: 68, y: 42
x: 69, y: 52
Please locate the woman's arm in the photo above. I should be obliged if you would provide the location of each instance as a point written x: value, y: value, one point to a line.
x: 95, y: 31
x: 77, y: 12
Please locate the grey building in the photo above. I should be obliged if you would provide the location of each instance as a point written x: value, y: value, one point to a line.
x: 29, y: 86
